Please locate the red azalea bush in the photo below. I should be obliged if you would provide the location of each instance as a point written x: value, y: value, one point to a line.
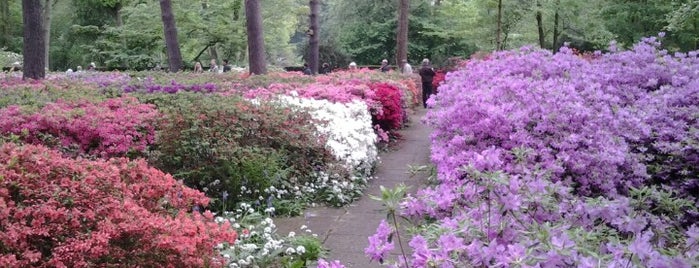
x: 390, y: 116
x: 115, y: 127
x: 61, y: 212
x: 437, y: 80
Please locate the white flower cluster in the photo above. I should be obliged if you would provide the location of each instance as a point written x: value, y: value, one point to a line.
x: 258, y: 241
x: 350, y: 136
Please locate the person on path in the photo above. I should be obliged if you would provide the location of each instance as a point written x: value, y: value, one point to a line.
x: 325, y: 69
x: 407, y: 69
x: 198, y: 68
x: 226, y: 66
x: 307, y: 70
x: 384, y: 66
x: 353, y: 66
x: 426, y: 75
x: 213, y: 67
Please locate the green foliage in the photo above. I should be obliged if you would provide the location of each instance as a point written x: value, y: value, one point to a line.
x: 630, y: 20
x: 10, y: 26
x: 220, y: 144
x: 8, y: 59
x: 363, y: 31
x: 35, y: 98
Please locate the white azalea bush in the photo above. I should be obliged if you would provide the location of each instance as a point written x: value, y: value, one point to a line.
x: 350, y: 138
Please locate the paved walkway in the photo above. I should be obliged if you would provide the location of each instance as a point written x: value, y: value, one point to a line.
x: 345, y: 231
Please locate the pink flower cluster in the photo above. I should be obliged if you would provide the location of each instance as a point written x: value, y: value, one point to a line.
x: 61, y: 212
x: 383, y: 99
x: 115, y: 127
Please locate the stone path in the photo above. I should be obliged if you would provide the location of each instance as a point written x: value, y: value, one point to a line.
x: 345, y: 231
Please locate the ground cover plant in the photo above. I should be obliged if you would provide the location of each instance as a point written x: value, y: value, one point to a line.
x: 559, y: 160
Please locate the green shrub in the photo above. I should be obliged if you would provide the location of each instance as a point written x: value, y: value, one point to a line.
x: 219, y: 144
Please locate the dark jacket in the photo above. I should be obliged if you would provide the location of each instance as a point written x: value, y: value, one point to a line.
x: 427, y: 74
x: 385, y: 68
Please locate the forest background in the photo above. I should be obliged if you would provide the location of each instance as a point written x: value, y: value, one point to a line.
x: 127, y: 34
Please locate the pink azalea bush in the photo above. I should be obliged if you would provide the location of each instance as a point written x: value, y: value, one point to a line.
x: 384, y: 100
x: 61, y: 212
x: 115, y: 127
x: 556, y: 160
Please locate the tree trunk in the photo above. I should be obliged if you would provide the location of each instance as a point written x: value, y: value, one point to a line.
x: 236, y: 9
x: 33, y: 48
x: 213, y: 53
x: 402, y: 38
x: 256, y: 41
x: 438, y: 2
x: 46, y: 29
x: 540, y: 25
x: 498, y: 40
x: 174, y: 58
x: 117, y: 15
x: 555, y: 28
x: 4, y: 23
x: 313, y: 45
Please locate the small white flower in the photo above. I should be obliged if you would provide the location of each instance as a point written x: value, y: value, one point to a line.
x: 292, y: 234
x: 290, y: 251
x: 301, y: 249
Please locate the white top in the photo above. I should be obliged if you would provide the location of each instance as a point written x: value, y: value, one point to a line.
x: 407, y: 69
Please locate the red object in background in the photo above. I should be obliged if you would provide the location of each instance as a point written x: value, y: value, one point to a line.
x: 437, y: 80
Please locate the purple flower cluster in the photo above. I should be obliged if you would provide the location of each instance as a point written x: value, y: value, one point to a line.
x: 102, y: 79
x: 554, y: 160
x: 148, y: 85
x: 380, y: 244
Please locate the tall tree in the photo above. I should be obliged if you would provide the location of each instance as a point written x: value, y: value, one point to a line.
x: 256, y: 41
x: 33, y: 52
x: 402, y: 38
x: 313, y: 42
x: 173, y: 48
x: 46, y: 30
x: 4, y: 23
x: 556, y: 31
x: 540, y: 25
x: 498, y: 35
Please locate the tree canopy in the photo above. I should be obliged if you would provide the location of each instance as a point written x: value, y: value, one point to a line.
x: 129, y: 33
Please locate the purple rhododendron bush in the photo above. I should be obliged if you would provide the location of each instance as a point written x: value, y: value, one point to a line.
x: 62, y: 212
x: 555, y: 160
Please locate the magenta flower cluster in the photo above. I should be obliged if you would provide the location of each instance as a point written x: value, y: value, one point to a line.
x: 384, y: 100
x: 112, y: 128
x: 555, y: 160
